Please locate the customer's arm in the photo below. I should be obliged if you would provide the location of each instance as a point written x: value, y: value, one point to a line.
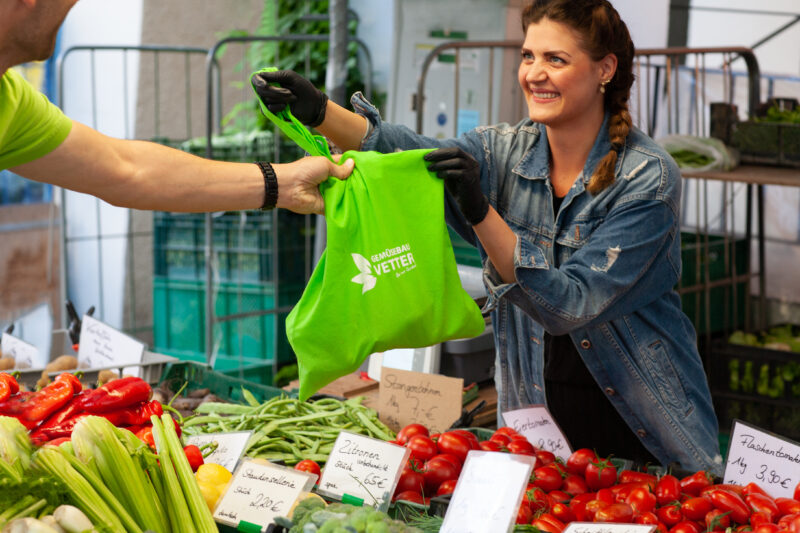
x: 145, y: 175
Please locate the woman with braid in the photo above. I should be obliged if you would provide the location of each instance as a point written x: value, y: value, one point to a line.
x: 575, y: 214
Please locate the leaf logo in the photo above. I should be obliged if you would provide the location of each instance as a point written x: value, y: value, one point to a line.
x: 365, y: 278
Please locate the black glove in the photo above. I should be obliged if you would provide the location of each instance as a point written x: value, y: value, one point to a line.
x: 307, y: 103
x: 462, y: 177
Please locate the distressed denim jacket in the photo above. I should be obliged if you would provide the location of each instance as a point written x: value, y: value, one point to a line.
x: 602, y: 269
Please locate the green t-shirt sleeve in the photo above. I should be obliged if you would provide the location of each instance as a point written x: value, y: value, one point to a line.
x: 30, y: 126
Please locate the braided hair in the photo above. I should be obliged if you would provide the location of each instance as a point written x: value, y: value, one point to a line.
x: 602, y: 32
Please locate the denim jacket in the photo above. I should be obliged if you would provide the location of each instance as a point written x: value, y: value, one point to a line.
x: 602, y: 269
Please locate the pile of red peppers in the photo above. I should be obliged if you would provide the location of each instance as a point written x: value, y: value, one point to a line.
x: 51, y: 413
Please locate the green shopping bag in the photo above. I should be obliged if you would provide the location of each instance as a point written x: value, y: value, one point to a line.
x: 388, y: 276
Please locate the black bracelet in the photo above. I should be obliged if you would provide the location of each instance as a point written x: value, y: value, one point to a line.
x: 270, y: 185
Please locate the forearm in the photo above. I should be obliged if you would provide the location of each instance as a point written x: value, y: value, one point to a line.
x: 499, y: 242
x: 344, y: 128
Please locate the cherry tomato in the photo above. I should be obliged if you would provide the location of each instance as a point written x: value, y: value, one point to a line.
x: 436, y: 472
x: 593, y: 507
x: 696, y: 508
x: 732, y: 503
x: 562, y: 511
x: 411, y: 480
x: 422, y: 448
x: 307, y: 465
x: 685, y: 527
x: 409, y: 431
x: 600, y: 474
x: 524, y: 514
x: 766, y: 528
x: 694, y: 483
x: 668, y: 489
x: 490, y: 446
x: 574, y: 484
x: 194, y: 455
x: 560, y: 496
x: 647, y: 518
x: 411, y: 496
x: 521, y: 447
x: 579, y: 460
x: 545, y: 457
x: 446, y: 487
x: 615, y: 512
x: 547, y: 478
x: 716, y: 519
x: 641, y: 499
x: 548, y: 526
x: 670, y: 514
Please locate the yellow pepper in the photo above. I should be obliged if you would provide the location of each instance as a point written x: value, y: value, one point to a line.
x: 212, y: 480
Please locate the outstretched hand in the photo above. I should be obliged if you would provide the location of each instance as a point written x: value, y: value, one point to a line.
x: 298, y: 182
x: 306, y: 102
x: 462, y: 178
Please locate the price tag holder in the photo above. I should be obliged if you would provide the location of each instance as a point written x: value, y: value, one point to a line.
x: 102, y: 346
x: 761, y: 457
x: 594, y: 527
x: 229, y: 447
x: 25, y: 355
x: 406, y: 397
x: 488, y: 493
x: 259, y: 491
x: 363, y: 469
x: 538, y: 426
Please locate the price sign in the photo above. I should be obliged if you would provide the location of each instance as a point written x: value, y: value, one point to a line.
x: 488, y: 493
x: 363, y: 468
x: 537, y: 425
x: 770, y: 461
x: 229, y: 447
x: 25, y: 355
x: 594, y: 527
x: 406, y: 397
x: 102, y: 346
x: 259, y: 491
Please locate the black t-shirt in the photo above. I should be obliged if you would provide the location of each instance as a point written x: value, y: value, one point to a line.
x: 581, y: 408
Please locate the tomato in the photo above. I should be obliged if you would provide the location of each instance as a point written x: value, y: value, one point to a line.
x: 647, y: 518
x: 574, y: 484
x: 454, y: 444
x: 500, y: 438
x: 562, y: 511
x: 766, y: 528
x: 436, y: 472
x: 578, y: 505
x: 560, y: 496
x: 470, y: 436
x: 547, y: 478
x: 194, y: 456
x: 615, y: 512
x: 605, y: 495
x: 670, y: 514
x: 694, y: 483
x: 751, y: 488
x: 547, y: 526
x: 668, y: 489
x: 632, y: 476
x: 716, y: 519
x: 506, y: 430
x: 410, y: 480
x: 756, y: 519
x: 685, y: 527
x: 592, y: 507
x: 622, y: 490
x: 785, y: 522
x: 545, y: 457
x: 521, y: 447
x: 524, y: 514
x: 307, y: 465
x: 536, y: 498
x: 422, y: 448
x: 446, y: 487
x: 696, y: 508
x: 409, y: 431
x: 787, y: 506
x: 411, y: 496
x: 600, y: 474
x: 579, y: 460
x: 641, y: 499
x: 797, y: 492
x: 761, y: 503
x: 450, y: 457
x: 736, y: 489
x: 490, y: 446
x: 146, y: 435
x: 731, y: 502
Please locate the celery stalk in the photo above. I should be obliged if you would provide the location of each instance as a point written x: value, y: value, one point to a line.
x: 177, y: 507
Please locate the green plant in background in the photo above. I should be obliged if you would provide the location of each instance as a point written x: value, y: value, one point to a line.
x: 285, y: 17
x: 775, y: 114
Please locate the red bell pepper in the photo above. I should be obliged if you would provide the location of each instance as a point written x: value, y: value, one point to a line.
x: 118, y: 394
x: 8, y: 386
x: 72, y: 408
x: 133, y: 416
x: 51, y: 398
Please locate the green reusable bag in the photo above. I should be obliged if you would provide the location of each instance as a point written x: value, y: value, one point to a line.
x: 388, y: 277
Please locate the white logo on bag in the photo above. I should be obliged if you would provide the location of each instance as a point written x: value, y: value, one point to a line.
x: 398, y: 260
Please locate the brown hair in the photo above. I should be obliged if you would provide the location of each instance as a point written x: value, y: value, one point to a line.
x: 602, y: 32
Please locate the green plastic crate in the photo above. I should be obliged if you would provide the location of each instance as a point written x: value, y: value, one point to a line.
x: 200, y: 376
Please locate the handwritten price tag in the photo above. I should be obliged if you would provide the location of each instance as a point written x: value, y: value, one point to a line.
x: 772, y: 462
x: 102, y: 346
x: 25, y: 355
x: 406, y: 397
x: 230, y: 447
x: 537, y: 425
x: 488, y: 493
x: 363, y: 467
x: 259, y: 491
x: 594, y: 527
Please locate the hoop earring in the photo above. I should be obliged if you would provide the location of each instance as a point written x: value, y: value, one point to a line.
x: 603, y: 86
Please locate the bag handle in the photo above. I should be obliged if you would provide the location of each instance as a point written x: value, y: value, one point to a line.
x: 293, y: 128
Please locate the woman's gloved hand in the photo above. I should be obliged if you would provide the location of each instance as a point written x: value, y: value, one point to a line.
x: 462, y: 177
x: 306, y: 102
